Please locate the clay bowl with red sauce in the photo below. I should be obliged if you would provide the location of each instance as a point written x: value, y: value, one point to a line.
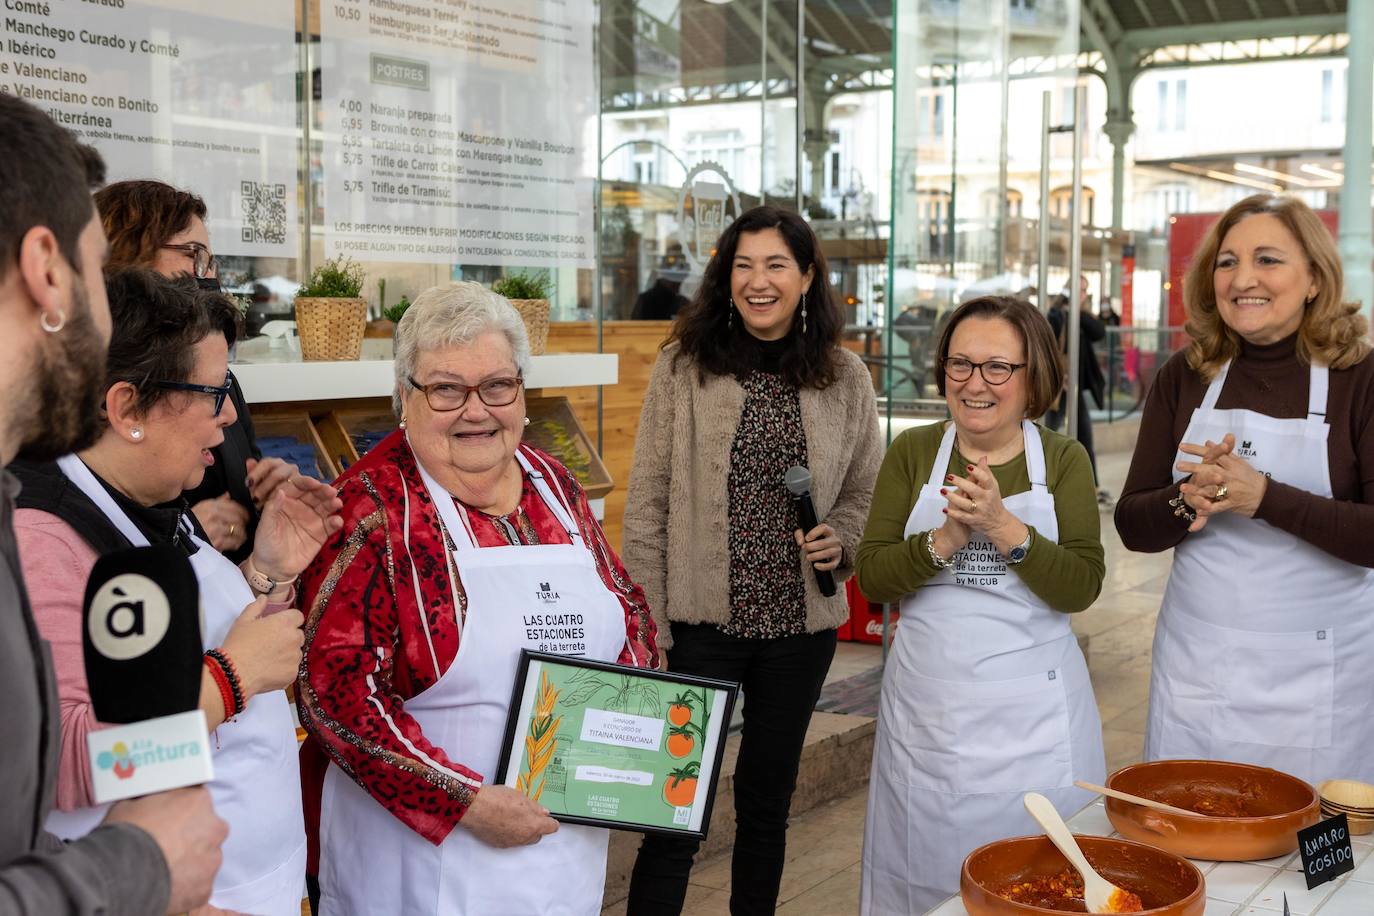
x: 1167, y: 884
x: 1257, y: 812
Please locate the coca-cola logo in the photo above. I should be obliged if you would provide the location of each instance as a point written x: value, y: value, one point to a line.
x: 874, y: 628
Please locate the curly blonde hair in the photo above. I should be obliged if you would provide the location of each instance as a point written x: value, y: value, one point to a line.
x: 1333, y: 332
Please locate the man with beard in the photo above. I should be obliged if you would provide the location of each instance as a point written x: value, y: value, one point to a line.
x: 154, y: 854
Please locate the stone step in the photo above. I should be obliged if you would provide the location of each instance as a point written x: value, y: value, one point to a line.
x: 835, y: 761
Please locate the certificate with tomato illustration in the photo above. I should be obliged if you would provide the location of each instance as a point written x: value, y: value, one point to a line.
x: 611, y: 746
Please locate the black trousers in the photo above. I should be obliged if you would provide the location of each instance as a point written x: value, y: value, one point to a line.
x: 782, y: 680
x: 1055, y: 419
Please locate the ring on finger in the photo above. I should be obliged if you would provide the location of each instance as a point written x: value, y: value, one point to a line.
x: 233, y: 526
x: 1221, y: 493
x: 972, y: 504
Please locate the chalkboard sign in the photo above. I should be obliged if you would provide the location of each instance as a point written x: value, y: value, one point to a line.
x: 1326, y: 850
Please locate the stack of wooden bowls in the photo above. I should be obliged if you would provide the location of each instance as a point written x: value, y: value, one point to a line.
x: 1353, y: 799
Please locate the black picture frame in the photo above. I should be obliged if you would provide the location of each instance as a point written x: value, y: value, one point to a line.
x: 721, y: 726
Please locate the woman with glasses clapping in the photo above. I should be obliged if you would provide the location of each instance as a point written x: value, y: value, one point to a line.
x: 165, y: 406
x: 154, y: 225
x: 459, y: 543
x: 985, y: 528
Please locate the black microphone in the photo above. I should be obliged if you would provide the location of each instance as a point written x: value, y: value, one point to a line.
x: 142, y: 645
x: 798, y: 480
x: 142, y: 635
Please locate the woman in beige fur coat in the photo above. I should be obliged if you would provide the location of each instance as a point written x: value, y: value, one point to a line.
x: 752, y: 381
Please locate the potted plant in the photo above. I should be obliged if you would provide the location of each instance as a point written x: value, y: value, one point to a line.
x: 529, y: 293
x: 388, y: 316
x: 331, y: 316
x: 394, y: 313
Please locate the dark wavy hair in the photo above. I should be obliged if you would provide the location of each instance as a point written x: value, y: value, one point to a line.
x: 704, y: 332
x: 140, y: 216
x: 157, y: 323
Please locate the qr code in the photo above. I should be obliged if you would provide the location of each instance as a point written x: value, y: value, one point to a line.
x: 264, y: 212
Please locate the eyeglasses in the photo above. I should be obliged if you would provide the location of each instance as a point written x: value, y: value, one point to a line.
x: 994, y: 371
x: 203, y: 261
x: 220, y: 392
x: 446, y: 396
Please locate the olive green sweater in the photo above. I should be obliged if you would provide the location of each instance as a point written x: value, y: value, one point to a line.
x: 1066, y: 575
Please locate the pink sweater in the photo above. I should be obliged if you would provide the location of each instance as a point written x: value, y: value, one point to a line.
x: 57, y: 562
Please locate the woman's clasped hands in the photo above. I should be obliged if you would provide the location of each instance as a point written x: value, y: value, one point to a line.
x: 1220, y: 481
x: 974, y: 503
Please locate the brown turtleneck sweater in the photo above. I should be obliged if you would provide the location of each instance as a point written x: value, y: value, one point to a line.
x: 1268, y: 380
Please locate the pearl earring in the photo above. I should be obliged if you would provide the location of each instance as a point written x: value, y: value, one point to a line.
x: 403, y: 422
x: 136, y: 433
x: 527, y: 421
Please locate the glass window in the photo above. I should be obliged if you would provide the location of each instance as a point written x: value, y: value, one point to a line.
x: 1061, y: 200
x: 1181, y: 105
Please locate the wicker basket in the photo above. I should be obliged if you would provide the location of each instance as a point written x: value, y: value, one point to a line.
x: 535, y: 314
x: 330, y: 329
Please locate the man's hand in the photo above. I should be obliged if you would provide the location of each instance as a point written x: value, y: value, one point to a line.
x: 185, y: 827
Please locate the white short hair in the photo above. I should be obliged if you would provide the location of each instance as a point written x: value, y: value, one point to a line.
x: 455, y: 314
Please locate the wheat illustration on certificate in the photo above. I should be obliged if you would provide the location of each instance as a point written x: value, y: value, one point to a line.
x: 627, y: 748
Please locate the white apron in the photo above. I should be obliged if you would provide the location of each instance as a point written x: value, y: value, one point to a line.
x: 1262, y: 649
x: 372, y: 863
x: 257, y: 784
x: 985, y: 697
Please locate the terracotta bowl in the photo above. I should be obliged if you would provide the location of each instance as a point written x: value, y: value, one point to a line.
x: 1168, y: 885
x: 1273, y: 807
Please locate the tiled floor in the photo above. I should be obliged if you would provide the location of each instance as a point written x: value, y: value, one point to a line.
x: 824, y: 845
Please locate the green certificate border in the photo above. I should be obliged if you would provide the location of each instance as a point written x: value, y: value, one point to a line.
x: 611, y: 746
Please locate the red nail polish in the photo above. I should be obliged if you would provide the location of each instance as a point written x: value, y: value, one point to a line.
x: 949, y: 478
x: 945, y: 511
x: 968, y: 467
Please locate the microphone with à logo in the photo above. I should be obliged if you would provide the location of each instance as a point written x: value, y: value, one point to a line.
x: 142, y: 645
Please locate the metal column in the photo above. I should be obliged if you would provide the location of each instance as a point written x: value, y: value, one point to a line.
x: 1356, y: 239
x: 801, y: 104
x: 307, y: 117
x: 1072, y: 332
x: 1045, y: 131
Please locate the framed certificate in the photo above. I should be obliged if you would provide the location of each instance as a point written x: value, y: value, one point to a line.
x: 611, y: 746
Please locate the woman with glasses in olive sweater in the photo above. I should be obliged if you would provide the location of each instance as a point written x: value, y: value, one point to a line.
x: 985, y: 529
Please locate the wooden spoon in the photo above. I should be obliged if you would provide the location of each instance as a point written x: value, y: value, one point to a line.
x: 1136, y: 799
x: 1099, y: 894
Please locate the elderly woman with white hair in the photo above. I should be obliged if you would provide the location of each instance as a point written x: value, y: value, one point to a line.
x: 414, y: 626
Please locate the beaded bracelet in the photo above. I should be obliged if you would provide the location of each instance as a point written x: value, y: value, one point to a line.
x: 226, y: 693
x: 232, y: 677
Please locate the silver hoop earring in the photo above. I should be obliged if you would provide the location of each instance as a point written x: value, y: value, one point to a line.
x: 136, y: 433
x: 53, y: 328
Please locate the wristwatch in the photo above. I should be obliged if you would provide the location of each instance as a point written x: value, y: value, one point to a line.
x: 1018, y: 553
x: 262, y: 583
